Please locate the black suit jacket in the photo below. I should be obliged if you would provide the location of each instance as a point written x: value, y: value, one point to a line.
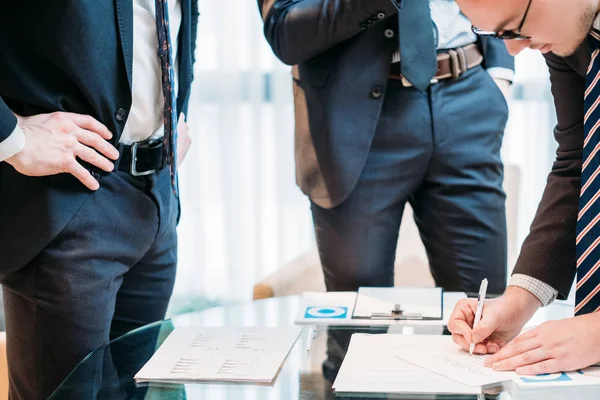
x: 548, y: 253
x: 342, y: 52
x: 65, y: 55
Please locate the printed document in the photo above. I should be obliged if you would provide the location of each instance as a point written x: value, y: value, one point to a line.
x: 220, y: 354
x: 372, y: 365
x: 440, y: 355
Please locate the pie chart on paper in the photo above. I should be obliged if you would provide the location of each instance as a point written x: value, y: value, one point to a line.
x: 326, y: 312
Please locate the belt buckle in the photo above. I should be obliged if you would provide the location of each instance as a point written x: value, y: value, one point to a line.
x: 406, y: 82
x: 133, y: 167
x: 458, y: 62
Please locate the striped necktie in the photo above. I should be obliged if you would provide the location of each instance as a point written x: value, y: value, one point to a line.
x: 168, y: 80
x: 587, y: 297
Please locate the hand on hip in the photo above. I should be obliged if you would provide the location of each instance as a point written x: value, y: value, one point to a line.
x: 54, y: 141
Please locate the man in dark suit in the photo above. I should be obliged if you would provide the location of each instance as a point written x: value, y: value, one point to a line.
x: 90, y: 94
x: 564, y: 237
x: 372, y: 134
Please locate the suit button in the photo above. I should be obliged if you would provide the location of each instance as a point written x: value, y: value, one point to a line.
x: 376, y: 92
x: 120, y: 114
x: 381, y: 15
x: 389, y: 33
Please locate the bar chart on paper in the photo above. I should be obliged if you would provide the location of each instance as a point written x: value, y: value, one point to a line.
x: 252, y: 355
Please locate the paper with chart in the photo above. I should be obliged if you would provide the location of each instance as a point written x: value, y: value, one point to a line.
x: 586, y: 377
x: 440, y: 355
x: 220, y: 354
x: 371, y: 366
x: 332, y: 308
x: 337, y: 308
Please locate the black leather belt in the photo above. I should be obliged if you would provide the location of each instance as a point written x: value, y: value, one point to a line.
x: 142, y: 158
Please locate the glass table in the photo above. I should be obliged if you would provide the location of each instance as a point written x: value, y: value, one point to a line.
x: 108, y: 372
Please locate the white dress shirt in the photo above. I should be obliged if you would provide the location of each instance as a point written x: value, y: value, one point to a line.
x: 145, y: 118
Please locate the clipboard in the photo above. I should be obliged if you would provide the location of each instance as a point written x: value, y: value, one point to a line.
x: 397, y: 303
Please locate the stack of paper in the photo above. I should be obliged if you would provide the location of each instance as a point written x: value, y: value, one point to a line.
x: 439, y: 354
x: 433, y: 364
x: 220, y: 354
x: 372, y: 365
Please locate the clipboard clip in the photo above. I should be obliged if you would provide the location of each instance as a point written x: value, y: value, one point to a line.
x: 397, y: 313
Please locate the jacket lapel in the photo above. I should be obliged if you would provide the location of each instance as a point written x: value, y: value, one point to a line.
x: 580, y: 60
x: 125, y: 24
x: 185, y: 54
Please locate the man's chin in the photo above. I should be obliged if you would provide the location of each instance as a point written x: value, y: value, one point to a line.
x: 564, y: 51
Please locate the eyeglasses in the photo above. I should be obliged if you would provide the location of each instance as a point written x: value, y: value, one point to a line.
x: 506, y: 34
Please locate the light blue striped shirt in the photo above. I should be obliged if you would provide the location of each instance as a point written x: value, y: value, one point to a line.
x: 452, y: 29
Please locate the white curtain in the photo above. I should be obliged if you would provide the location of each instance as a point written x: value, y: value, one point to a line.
x: 529, y: 139
x: 243, y: 216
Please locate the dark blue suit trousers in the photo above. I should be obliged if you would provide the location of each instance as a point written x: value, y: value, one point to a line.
x: 439, y: 151
x: 98, y: 279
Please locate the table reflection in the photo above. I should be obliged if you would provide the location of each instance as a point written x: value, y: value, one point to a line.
x: 108, y: 372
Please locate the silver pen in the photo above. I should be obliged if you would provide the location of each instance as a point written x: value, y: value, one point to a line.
x: 480, y: 300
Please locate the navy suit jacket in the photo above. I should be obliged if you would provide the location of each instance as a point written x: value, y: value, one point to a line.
x: 341, y: 54
x: 74, y: 56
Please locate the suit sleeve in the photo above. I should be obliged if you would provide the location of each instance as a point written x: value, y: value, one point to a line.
x: 496, y: 54
x: 12, y: 139
x: 194, y: 33
x: 548, y: 253
x: 8, y: 121
x: 194, y: 28
x: 298, y: 30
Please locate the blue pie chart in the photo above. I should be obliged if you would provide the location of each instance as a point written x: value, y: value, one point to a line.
x: 326, y: 312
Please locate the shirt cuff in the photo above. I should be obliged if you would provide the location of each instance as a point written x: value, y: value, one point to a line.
x: 12, y: 144
x: 544, y: 292
x: 501, y: 73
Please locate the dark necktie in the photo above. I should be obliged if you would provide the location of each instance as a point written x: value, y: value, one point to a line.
x: 587, y: 295
x: 418, y: 60
x: 168, y: 79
